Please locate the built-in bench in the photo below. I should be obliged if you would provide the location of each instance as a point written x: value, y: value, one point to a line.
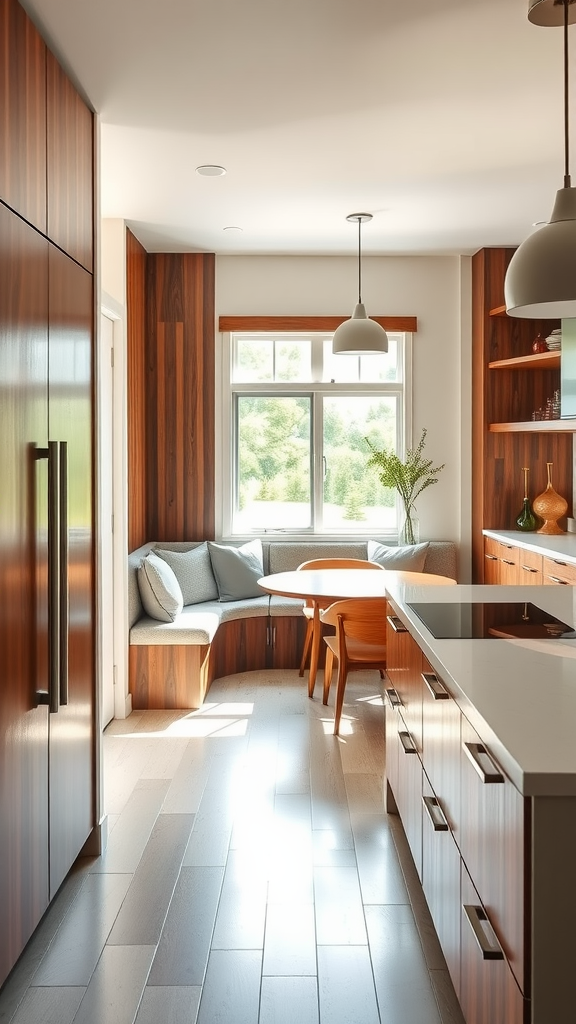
x: 171, y: 664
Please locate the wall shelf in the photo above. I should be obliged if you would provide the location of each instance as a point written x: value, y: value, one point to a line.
x: 535, y: 427
x: 534, y: 361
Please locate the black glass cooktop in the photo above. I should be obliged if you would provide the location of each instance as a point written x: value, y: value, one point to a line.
x: 479, y: 620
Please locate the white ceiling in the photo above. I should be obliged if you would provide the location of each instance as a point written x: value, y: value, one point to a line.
x: 443, y: 118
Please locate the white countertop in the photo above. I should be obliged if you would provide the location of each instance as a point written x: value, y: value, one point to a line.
x: 561, y: 546
x: 519, y: 695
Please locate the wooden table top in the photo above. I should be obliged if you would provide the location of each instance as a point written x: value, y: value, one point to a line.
x: 336, y: 584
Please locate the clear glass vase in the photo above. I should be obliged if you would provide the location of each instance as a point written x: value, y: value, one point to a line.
x: 409, y: 532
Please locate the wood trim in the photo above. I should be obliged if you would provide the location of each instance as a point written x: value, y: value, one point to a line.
x: 309, y: 323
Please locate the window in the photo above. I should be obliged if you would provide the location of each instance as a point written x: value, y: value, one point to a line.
x: 294, y: 450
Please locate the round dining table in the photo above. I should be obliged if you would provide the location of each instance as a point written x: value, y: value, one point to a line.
x: 323, y: 586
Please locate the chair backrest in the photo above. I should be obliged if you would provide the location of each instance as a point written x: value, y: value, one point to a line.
x: 339, y: 563
x: 362, y: 619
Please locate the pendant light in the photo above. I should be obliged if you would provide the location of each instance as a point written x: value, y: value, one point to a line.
x: 541, y: 280
x: 359, y: 335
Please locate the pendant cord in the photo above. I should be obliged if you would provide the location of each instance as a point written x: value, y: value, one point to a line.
x: 566, y: 98
x: 359, y: 259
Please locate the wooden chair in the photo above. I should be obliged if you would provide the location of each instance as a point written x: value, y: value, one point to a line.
x: 360, y: 642
x: 310, y: 607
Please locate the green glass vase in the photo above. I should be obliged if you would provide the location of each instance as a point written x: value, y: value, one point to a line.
x: 527, y: 520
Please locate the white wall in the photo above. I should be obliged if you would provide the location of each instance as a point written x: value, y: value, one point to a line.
x: 429, y: 287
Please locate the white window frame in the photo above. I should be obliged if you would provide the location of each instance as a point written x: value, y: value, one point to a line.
x: 224, y: 428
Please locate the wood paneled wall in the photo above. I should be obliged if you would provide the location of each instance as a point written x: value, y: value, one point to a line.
x: 69, y: 166
x: 501, y: 396
x: 23, y: 103
x: 136, y: 382
x: 171, y: 395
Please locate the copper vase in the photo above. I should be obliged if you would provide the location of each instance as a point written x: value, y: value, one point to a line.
x: 550, y: 506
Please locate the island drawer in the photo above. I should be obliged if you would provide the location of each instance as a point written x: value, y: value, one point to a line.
x: 493, y: 839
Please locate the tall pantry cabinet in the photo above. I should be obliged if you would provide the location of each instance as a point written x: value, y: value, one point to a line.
x: 47, y: 681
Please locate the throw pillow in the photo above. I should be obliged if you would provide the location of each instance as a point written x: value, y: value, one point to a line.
x: 237, y: 569
x: 411, y: 557
x: 193, y: 570
x: 159, y: 589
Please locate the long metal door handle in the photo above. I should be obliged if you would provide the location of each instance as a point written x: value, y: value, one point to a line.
x: 63, y: 588
x: 408, y: 743
x: 393, y: 698
x: 54, y: 575
x: 482, y: 763
x: 396, y: 623
x: 437, y: 689
x: 435, y: 813
x: 480, y: 925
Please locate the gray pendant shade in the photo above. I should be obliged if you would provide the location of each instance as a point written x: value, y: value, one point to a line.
x: 359, y: 335
x: 541, y: 277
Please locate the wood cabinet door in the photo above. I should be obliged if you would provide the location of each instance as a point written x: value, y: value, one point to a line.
x: 404, y: 668
x: 240, y: 646
x: 23, y: 585
x: 286, y: 641
x: 70, y: 328
x: 488, y: 991
x: 70, y: 167
x: 494, y: 843
x: 441, y: 723
x: 441, y: 878
x: 557, y: 571
x: 22, y: 115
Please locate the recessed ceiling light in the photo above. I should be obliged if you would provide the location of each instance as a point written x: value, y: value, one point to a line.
x: 210, y: 170
x: 232, y: 227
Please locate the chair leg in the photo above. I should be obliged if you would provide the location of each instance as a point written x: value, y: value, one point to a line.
x: 307, y: 645
x: 340, y: 685
x: 328, y: 674
x: 314, y: 651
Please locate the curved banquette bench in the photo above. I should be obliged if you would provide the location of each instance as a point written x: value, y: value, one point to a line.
x: 172, y: 663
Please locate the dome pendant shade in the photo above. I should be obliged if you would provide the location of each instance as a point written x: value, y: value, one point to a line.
x: 550, y: 13
x: 541, y: 277
x: 359, y: 336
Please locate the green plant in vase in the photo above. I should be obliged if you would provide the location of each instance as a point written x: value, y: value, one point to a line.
x: 409, y: 478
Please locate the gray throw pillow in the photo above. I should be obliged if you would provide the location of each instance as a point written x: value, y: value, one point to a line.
x: 237, y: 569
x: 159, y: 589
x: 193, y: 570
x: 411, y: 558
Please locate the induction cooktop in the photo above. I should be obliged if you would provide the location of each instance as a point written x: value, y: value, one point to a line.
x: 483, y: 620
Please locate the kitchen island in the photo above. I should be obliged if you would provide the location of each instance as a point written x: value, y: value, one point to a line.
x: 481, y: 766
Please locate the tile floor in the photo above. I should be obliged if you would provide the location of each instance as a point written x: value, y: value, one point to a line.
x: 251, y: 876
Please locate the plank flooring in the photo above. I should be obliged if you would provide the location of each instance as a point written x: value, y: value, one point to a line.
x: 251, y: 876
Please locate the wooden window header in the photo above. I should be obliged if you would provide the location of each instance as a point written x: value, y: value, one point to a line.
x: 309, y: 323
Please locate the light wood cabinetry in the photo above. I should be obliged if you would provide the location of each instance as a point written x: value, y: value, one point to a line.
x: 554, y: 570
x: 508, y: 384
x: 469, y: 833
x: 506, y: 563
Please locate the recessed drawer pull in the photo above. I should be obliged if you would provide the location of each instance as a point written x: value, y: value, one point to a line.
x: 508, y: 562
x: 529, y: 568
x: 558, y: 562
x: 396, y: 623
x: 393, y: 698
x: 482, y: 763
x: 407, y: 742
x: 493, y: 558
x: 556, y: 579
x: 435, y: 813
x: 483, y: 933
x: 438, y: 691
